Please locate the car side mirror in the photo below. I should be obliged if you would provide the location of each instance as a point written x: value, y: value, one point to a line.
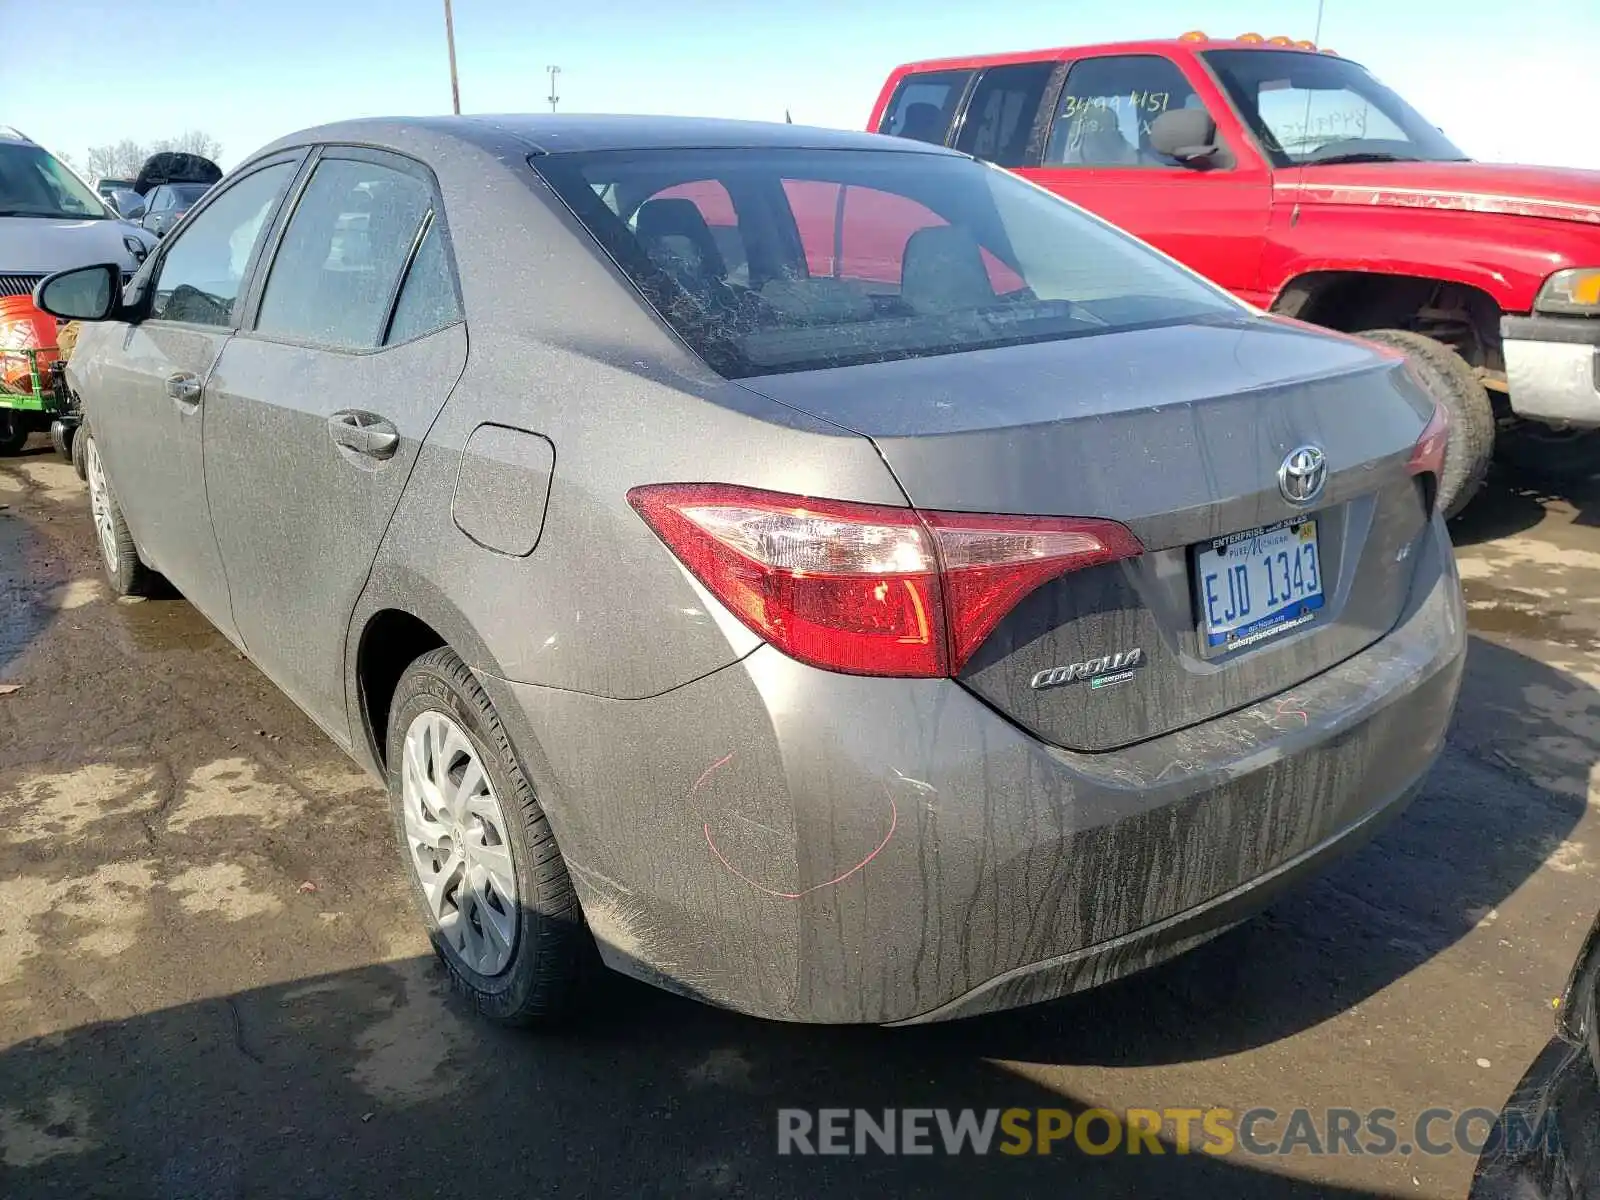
x: 1186, y: 134
x: 81, y: 294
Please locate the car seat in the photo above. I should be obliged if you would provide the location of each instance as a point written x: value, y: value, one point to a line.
x: 674, y: 233
x: 943, y: 272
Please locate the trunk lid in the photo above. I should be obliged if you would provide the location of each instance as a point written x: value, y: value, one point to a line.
x: 1179, y: 433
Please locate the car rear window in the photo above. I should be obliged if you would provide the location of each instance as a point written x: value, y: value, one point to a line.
x: 770, y: 260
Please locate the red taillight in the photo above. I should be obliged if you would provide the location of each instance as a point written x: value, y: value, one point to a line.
x: 1427, y: 456
x: 866, y: 588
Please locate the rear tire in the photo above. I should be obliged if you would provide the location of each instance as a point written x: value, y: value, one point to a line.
x: 1451, y: 383
x: 61, y: 438
x: 118, y: 555
x: 13, y: 431
x: 514, y: 942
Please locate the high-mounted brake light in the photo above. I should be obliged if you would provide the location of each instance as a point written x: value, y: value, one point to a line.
x: 868, y: 589
x: 1427, y: 456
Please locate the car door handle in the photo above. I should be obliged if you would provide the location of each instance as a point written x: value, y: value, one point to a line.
x: 364, y: 433
x: 184, y: 387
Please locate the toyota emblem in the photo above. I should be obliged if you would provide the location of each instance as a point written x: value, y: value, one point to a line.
x: 1302, y: 475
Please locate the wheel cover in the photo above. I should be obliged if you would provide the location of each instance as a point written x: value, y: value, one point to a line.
x: 457, y: 843
x: 100, y: 506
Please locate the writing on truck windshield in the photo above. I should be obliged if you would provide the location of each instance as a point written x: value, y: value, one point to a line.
x: 1308, y: 108
x: 769, y: 260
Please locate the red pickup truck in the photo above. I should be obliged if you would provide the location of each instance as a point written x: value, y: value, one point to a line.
x: 1295, y: 179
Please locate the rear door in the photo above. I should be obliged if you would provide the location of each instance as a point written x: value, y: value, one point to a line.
x: 148, y: 407
x: 321, y: 404
x: 1004, y: 120
x: 1098, y: 154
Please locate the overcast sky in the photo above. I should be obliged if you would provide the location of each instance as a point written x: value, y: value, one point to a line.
x: 1507, y: 81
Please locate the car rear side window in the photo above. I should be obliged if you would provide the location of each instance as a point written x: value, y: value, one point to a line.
x: 923, y: 105
x: 1104, y: 115
x: 867, y: 255
x: 200, y: 275
x: 1001, y: 115
x: 352, y: 233
x: 428, y: 298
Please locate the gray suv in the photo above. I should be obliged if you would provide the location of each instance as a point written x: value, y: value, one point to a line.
x: 824, y: 574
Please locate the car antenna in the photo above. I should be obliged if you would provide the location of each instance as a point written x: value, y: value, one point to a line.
x: 1300, y: 175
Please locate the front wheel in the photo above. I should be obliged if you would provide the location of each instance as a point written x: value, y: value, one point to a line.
x: 79, y: 442
x: 1452, y: 384
x: 126, y: 574
x: 13, y: 431
x: 499, y: 905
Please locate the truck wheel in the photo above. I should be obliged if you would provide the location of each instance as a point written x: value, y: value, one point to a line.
x: 1561, y: 456
x: 498, y: 903
x: 61, y: 438
x: 1450, y: 382
x: 13, y: 431
x: 126, y: 574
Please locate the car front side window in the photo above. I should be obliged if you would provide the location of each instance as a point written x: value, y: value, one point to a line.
x: 1107, y: 108
x: 201, y: 276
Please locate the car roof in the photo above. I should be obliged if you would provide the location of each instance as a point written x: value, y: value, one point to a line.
x: 571, y: 133
x: 1162, y: 46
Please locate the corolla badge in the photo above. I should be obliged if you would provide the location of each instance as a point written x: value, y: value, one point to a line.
x: 1303, y: 474
x: 1100, y: 672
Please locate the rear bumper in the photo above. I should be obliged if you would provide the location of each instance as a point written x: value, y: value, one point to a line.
x: 809, y: 846
x: 1553, y: 368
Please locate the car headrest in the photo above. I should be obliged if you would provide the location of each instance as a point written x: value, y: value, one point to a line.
x: 943, y: 271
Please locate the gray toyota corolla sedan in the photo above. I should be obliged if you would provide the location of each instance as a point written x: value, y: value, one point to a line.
x: 828, y: 575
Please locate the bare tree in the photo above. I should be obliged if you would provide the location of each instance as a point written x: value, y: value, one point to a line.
x: 192, y: 141
x: 123, y: 159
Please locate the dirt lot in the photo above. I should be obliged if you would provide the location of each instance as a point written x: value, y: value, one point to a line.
x: 212, y: 984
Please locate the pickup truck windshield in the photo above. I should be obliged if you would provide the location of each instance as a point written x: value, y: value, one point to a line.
x: 1310, y: 108
x: 770, y: 260
x: 34, y: 184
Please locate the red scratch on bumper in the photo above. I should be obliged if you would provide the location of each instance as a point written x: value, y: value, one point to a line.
x: 894, y: 820
x: 1285, y: 711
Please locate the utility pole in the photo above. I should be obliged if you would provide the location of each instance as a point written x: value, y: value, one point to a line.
x: 554, y: 71
x: 450, y: 39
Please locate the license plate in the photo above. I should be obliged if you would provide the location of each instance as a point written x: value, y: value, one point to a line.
x: 1257, y: 584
